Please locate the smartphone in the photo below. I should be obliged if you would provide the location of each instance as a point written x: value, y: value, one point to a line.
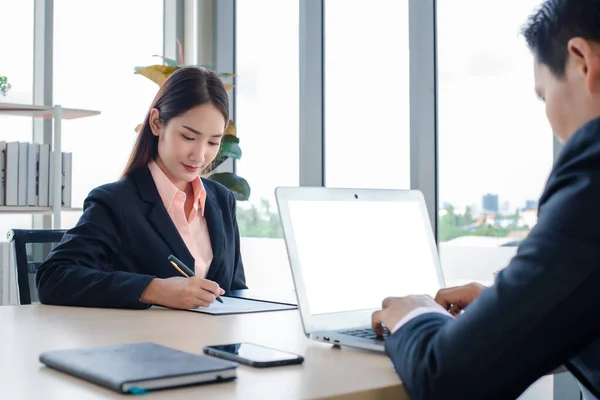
x: 254, y: 355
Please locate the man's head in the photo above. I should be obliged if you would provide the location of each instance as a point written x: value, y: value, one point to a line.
x: 564, y: 37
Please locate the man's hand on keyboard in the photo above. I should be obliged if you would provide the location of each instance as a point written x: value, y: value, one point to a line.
x: 395, y: 308
x: 456, y: 299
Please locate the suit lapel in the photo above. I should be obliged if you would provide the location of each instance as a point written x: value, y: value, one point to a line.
x: 160, y: 219
x: 214, y: 223
x: 163, y: 224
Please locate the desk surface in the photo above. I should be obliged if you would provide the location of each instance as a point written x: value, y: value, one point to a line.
x: 26, y: 331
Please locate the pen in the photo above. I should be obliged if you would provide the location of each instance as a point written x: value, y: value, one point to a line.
x: 184, y: 270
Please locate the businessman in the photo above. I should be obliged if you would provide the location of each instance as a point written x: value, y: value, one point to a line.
x: 544, y: 309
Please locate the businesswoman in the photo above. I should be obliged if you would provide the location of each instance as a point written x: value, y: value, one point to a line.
x: 117, y: 254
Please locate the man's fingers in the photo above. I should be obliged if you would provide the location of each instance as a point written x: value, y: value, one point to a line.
x: 376, y: 321
x: 385, y: 303
x: 454, y: 310
x: 458, y: 296
x: 388, y: 302
x: 443, y: 298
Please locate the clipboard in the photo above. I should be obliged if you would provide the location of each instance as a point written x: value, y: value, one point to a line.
x: 236, y: 305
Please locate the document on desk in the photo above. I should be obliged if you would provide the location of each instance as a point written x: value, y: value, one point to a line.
x: 234, y: 305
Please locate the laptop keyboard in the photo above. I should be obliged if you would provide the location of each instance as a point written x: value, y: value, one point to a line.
x: 366, y: 333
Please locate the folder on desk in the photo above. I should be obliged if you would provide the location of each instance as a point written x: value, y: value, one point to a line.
x: 136, y: 367
x: 235, y: 305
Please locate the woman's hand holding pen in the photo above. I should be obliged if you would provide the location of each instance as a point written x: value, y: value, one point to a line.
x: 180, y: 292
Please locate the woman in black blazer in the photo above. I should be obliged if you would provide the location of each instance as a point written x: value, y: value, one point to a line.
x: 117, y: 254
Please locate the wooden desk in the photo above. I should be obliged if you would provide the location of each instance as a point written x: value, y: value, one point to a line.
x: 25, y: 331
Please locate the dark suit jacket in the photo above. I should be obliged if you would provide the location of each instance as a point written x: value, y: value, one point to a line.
x: 543, y: 310
x: 122, y: 242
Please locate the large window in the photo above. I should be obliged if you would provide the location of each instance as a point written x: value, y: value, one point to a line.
x: 495, y: 144
x: 267, y: 117
x: 96, y: 47
x: 266, y: 108
x: 16, y: 63
x: 367, y: 111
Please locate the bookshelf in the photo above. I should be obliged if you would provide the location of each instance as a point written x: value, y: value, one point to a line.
x: 34, y: 210
x: 56, y: 113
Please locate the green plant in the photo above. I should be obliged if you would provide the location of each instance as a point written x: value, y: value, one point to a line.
x: 4, y: 85
x: 229, y: 145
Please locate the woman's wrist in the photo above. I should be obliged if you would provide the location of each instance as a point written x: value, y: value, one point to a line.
x: 151, y: 294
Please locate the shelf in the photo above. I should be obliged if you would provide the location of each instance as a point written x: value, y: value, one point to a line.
x: 34, y: 210
x: 47, y: 112
x: 56, y: 113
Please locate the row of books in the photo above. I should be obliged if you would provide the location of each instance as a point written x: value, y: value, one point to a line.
x: 27, y: 175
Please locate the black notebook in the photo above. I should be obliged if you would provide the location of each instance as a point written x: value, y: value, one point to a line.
x: 131, y: 368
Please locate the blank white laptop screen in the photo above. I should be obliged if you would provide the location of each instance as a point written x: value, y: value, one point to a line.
x: 353, y: 254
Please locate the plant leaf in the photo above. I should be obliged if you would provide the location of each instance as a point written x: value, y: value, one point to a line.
x: 157, y: 73
x: 231, y: 139
x: 231, y: 129
x: 169, y: 61
x: 230, y: 150
x: 238, y: 185
x: 215, y: 164
x: 220, y: 158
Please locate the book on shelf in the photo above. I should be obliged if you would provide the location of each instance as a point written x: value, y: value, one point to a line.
x: 43, y: 176
x: 22, y: 174
x: 67, y: 162
x: 26, y: 175
x: 11, y: 174
x: 33, y: 154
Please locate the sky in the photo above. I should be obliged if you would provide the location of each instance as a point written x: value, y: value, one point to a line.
x: 493, y: 134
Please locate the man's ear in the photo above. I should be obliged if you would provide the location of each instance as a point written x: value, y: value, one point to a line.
x: 154, y: 120
x: 584, y: 56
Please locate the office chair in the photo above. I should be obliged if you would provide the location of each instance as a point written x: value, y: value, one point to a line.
x: 31, y: 247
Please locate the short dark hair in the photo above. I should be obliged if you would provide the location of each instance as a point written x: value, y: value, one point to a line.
x: 183, y: 90
x: 554, y: 23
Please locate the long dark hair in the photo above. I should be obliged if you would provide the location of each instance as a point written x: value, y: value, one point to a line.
x: 183, y: 90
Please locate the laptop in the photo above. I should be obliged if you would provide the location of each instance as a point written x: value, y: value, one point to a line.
x: 351, y: 248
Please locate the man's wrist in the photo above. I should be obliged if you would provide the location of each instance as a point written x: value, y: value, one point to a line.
x: 417, y: 312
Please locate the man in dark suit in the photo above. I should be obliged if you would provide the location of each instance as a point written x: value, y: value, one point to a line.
x: 544, y: 309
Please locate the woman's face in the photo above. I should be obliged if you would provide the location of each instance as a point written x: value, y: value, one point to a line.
x: 188, y: 143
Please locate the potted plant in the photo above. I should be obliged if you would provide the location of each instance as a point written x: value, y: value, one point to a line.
x: 4, y: 85
x: 229, y: 145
